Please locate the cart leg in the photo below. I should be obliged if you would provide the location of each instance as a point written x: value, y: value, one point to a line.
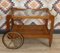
x: 50, y: 40
x: 7, y: 22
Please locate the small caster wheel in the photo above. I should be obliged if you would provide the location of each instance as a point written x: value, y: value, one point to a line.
x: 13, y: 40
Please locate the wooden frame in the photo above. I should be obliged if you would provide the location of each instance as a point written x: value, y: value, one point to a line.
x: 32, y: 30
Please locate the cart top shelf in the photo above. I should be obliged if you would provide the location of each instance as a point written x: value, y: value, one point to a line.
x: 30, y: 13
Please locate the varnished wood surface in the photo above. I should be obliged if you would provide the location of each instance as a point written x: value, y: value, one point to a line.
x: 15, y: 8
x: 32, y: 31
x: 30, y: 17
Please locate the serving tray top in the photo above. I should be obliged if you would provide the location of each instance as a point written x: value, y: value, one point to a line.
x: 30, y: 13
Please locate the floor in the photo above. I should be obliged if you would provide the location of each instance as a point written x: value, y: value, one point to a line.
x: 35, y: 46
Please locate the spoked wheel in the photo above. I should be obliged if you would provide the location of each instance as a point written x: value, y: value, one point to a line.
x: 13, y: 40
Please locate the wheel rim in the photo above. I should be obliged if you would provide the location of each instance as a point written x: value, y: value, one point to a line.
x: 13, y: 40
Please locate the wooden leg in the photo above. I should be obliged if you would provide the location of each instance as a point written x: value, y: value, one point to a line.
x: 50, y: 41
x: 8, y: 17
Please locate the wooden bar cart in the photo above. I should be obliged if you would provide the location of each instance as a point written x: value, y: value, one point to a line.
x: 19, y: 32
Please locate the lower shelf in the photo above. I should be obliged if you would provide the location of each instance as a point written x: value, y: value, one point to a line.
x: 32, y: 31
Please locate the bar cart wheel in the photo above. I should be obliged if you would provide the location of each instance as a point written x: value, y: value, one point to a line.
x: 13, y: 40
